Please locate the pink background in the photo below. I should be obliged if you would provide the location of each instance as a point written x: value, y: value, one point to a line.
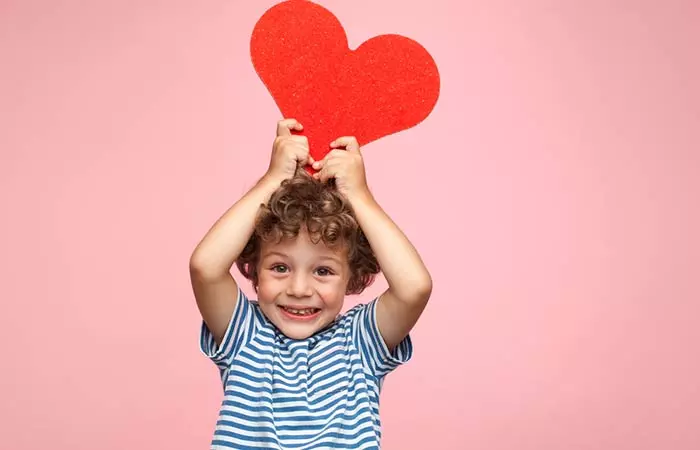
x: 561, y: 166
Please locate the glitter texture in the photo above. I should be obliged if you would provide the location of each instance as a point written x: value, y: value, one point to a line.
x: 300, y: 51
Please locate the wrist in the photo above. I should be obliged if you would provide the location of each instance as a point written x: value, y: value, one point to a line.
x: 360, y: 198
x: 264, y: 188
x: 270, y: 181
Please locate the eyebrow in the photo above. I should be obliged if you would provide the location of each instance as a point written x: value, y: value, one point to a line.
x: 273, y: 253
x: 282, y: 255
x: 331, y: 258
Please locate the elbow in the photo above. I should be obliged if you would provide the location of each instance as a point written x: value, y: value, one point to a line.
x: 196, y: 263
x: 417, y: 292
x: 424, y: 288
x: 202, y: 268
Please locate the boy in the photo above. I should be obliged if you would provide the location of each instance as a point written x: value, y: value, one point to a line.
x: 296, y: 373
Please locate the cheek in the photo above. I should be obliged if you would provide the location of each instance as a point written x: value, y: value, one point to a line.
x: 332, y: 294
x: 268, y: 289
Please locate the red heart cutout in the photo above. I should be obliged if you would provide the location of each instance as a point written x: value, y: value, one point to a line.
x: 300, y: 51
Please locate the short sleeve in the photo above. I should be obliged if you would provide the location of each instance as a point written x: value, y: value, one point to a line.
x: 375, y: 353
x: 238, y: 333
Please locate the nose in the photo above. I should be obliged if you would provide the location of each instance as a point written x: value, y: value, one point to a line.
x: 299, y: 286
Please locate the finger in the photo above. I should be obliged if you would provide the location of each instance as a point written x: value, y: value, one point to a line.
x: 325, y: 174
x: 285, y: 127
x: 296, y: 146
x: 319, y: 166
x: 336, y: 154
x: 308, y: 161
x: 349, y: 142
x: 330, y: 157
x: 298, y: 139
x: 301, y: 154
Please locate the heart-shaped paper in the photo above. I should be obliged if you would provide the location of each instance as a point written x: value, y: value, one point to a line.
x: 300, y: 51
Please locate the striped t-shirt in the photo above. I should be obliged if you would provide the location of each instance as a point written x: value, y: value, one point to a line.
x: 317, y: 393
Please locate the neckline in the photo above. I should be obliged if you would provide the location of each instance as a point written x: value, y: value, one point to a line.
x: 311, y: 340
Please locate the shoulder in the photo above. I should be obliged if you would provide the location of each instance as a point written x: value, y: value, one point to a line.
x: 253, y: 306
x: 361, y: 312
x: 362, y: 308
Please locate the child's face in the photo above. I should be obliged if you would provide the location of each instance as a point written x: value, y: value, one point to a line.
x: 301, y: 285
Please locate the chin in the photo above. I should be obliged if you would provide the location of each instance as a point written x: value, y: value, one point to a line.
x: 301, y: 329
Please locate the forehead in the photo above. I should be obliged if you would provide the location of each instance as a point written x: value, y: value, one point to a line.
x: 303, y: 245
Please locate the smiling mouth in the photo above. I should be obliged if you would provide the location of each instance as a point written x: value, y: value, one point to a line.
x: 305, y: 312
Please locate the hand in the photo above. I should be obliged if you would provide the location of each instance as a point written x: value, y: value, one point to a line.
x: 288, y: 151
x: 345, y: 166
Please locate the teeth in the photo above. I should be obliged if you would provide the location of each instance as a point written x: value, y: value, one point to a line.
x: 301, y: 312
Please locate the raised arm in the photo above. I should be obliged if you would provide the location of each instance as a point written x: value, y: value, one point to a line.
x: 410, y: 284
x: 210, y: 263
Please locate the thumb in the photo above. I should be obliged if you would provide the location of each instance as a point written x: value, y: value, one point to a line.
x: 285, y: 127
x: 353, y: 147
x: 349, y: 142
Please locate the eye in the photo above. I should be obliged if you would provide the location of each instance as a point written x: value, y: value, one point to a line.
x: 324, y: 271
x: 279, y: 268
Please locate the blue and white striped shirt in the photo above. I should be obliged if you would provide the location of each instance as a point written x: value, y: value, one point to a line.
x: 317, y: 393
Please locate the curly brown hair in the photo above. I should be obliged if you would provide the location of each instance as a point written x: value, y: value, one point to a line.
x: 303, y: 202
